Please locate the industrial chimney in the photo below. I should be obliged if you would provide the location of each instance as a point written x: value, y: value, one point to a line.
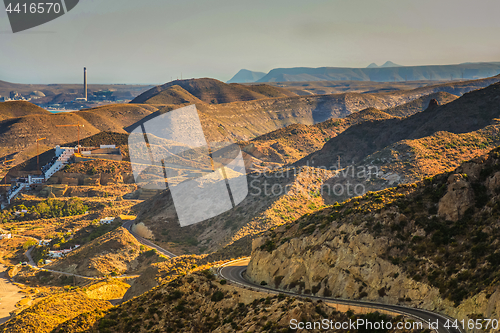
x: 85, y: 82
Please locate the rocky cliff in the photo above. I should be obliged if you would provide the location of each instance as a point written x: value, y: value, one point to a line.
x: 432, y: 245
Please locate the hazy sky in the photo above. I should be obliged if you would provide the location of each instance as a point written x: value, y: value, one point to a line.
x: 152, y: 41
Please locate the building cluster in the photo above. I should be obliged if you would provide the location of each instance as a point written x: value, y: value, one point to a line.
x: 66, y: 101
x: 16, y: 96
x: 63, y: 156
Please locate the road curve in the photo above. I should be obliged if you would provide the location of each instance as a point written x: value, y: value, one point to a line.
x: 128, y: 225
x: 233, y: 271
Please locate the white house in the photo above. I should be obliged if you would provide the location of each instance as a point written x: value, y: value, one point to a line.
x: 107, y: 220
x: 5, y: 236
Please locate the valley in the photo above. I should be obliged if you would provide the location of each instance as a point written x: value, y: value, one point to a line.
x: 116, y: 256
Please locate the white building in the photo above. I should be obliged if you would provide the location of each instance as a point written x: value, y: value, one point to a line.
x: 61, y: 253
x: 5, y: 236
x: 107, y: 220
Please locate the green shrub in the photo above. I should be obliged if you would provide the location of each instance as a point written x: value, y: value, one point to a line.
x: 217, y: 296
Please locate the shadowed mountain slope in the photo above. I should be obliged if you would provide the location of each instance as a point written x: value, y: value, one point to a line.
x: 471, y: 112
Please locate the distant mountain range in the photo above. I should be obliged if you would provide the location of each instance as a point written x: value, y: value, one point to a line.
x: 386, y: 73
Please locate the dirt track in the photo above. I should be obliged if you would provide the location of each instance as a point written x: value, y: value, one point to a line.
x: 9, y: 295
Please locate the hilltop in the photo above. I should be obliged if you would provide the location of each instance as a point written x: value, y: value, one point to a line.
x: 360, y: 136
x: 236, y: 121
x: 15, y: 109
x: 245, y: 76
x: 115, y: 253
x: 207, y: 90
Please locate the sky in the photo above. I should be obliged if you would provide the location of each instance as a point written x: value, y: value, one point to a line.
x: 154, y: 41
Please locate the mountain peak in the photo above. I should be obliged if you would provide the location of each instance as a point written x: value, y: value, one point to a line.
x: 246, y: 76
x: 390, y: 64
x: 373, y: 65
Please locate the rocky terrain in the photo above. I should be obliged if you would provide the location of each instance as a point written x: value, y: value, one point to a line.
x: 227, y: 112
x: 260, y: 210
x: 432, y: 244
x: 16, y: 109
x: 51, y: 311
x: 200, y: 303
x: 398, y: 143
x: 289, y: 144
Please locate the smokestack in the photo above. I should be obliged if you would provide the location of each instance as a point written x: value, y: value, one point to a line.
x: 85, y: 82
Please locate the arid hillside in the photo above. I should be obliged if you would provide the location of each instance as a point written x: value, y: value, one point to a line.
x: 115, y: 253
x: 260, y: 210
x: 18, y: 135
x: 364, y: 142
x: 420, y: 104
x: 289, y: 144
x: 200, y: 303
x: 431, y: 244
x: 51, y: 311
x: 471, y: 112
x: 236, y: 121
x: 209, y: 91
x: 15, y: 109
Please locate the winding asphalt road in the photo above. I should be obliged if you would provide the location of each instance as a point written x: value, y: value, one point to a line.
x: 233, y: 271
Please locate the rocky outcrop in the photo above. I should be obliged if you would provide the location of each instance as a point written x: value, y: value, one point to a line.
x: 458, y: 198
x: 433, y: 103
x: 344, y: 264
x: 340, y: 263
